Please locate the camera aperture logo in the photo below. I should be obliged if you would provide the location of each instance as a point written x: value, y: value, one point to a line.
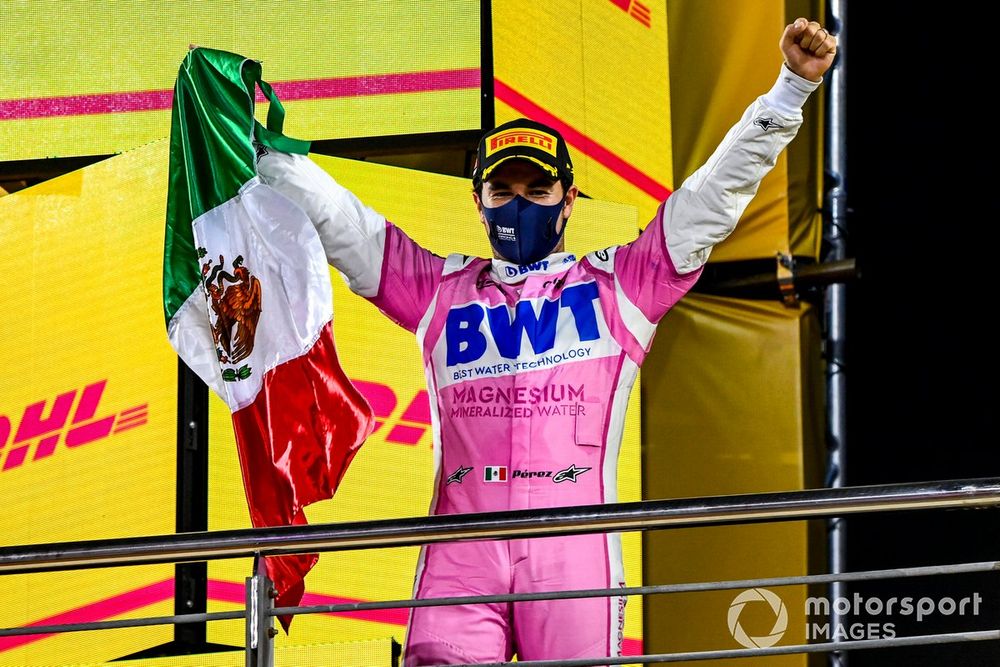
x: 780, y: 618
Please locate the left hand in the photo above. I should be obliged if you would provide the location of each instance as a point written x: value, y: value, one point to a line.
x: 808, y: 48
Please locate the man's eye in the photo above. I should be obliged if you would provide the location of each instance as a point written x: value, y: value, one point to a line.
x: 539, y: 193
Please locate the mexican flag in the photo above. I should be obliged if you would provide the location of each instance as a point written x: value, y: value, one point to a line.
x: 248, y: 302
x: 495, y: 474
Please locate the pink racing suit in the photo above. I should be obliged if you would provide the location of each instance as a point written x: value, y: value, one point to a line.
x: 529, y: 370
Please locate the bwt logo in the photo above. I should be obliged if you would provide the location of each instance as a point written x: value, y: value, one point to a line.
x: 466, y: 343
x: 45, y: 430
x: 411, y: 425
x: 526, y: 268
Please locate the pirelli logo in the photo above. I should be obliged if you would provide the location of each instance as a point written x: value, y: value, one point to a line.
x: 534, y: 138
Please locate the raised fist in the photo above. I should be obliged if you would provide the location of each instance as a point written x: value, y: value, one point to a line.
x: 808, y: 48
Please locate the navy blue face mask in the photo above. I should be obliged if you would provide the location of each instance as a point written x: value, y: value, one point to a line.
x: 522, y: 231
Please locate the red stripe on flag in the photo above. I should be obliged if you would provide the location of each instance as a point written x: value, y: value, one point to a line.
x: 288, y: 91
x: 582, y: 142
x: 111, y: 607
x: 295, y: 441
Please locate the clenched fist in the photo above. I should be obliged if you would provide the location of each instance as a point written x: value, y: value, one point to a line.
x: 808, y: 48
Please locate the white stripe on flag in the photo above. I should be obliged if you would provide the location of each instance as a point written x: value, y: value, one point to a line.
x: 267, y: 246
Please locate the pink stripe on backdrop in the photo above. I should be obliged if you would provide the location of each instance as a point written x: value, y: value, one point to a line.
x: 381, y: 84
x: 287, y: 91
x: 228, y: 591
x: 219, y: 591
x: 98, y: 611
x: 580, y: 141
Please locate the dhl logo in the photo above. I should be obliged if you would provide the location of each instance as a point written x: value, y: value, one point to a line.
x: 411, y: 425
x: 636, y: 10
x: 44, y: 423
x: 541, y: 140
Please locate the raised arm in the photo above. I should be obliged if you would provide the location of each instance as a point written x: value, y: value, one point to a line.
x: 659, y: 267
x: 707, y: 206
x: 378, y: 261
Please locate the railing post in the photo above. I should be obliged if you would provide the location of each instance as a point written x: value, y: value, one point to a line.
x: 259, y: 622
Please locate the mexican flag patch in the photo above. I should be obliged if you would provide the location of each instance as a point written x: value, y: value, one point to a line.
x: 495, y: 474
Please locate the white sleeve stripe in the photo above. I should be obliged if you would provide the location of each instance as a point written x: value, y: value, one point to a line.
x: 456, y: 262
x: 637, y: 323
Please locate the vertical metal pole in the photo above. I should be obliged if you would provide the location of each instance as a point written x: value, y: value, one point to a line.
x: 835, y: 311
x: 191, y: 579
x: 487, y: 95
x: 260, y: 630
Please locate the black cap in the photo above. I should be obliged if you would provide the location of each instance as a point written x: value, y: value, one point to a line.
x: 526, y: 140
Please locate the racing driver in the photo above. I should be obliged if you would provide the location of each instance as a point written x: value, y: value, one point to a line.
x: 530, y: 356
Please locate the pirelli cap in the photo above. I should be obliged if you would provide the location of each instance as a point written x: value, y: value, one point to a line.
x: 526, y: 140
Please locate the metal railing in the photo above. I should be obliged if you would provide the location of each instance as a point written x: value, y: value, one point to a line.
x: 646, y: 515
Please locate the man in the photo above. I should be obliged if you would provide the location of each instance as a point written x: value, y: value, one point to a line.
x: 530, y: 356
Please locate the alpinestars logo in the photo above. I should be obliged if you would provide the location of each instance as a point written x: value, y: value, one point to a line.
x: 569, y: 474
x: 765, y: 123
x: 457, y: 476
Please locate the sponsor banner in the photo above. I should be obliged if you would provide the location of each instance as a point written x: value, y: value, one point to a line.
x: 392, y: 475
x: 84, y: 78
x: 88, y: 420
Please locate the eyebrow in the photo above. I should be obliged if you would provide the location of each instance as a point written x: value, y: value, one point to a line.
x: 537, y: 183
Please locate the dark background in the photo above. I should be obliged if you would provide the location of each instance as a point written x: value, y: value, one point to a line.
x: 922, y: 363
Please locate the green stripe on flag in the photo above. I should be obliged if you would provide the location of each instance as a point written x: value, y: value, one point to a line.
x: 211, y: 153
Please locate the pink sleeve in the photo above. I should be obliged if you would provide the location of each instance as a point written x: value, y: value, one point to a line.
x: 647, y: 275
x: 410, y: 276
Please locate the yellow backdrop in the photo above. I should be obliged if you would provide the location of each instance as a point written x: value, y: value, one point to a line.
x: 722, y: 56
x: 81, y: 263
x: 93, y: 78
x: 597, y: 71
x: 738, y: 385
